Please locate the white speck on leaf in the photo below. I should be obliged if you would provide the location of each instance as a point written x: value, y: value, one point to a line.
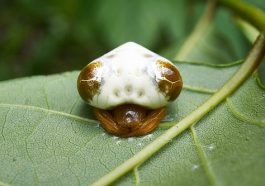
x: 194, y: 167
x: 168, y: 118
x: 131, y: 139
x: 118, y: 142
x: 211, y: 146
x: 149, y: 136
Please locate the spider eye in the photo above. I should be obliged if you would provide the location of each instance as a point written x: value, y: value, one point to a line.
x: 89, y: 80
x: 168, y: 79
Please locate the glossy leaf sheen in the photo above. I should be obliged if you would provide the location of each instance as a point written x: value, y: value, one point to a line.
x: 43, y: 142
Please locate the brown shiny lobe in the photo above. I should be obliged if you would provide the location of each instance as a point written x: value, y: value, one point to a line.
x: 87, y: 84
x: 129, y: 120
x: 129, y: 115
x: 169, y: 79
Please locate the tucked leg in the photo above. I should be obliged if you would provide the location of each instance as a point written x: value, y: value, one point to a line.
x: 107, y: 122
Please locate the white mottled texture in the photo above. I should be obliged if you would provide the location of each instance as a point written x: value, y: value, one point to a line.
x: 128, y: 76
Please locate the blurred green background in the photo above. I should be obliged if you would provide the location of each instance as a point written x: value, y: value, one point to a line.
x: 44, y: 37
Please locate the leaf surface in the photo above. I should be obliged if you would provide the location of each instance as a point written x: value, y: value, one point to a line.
x: 46, y: 137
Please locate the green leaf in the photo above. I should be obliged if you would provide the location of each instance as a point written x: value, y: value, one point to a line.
x: 251, y: 33
x: 143, y: 21
x: 217, y: 42
x: 46, y: 137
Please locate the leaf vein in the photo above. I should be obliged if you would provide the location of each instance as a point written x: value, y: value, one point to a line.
x: 35, y: 171
x: 75, y: 117
x: 73, y: 106
x: 136, y: 177
x: 212, y: 65
x: 73, y: 172
x: 203, y: 158
x: 39, y: 122
x: 85, y: 145
x: 240, y: 116
x: 258, y: 80
x: 199, y: 89
x: 2, y: 131
x: 46, y: 98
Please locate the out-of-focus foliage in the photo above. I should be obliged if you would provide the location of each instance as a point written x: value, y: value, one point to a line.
x: 43, y: 37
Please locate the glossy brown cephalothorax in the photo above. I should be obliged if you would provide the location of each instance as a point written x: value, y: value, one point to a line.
x: 129, y: 120
x: 129, y: 88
